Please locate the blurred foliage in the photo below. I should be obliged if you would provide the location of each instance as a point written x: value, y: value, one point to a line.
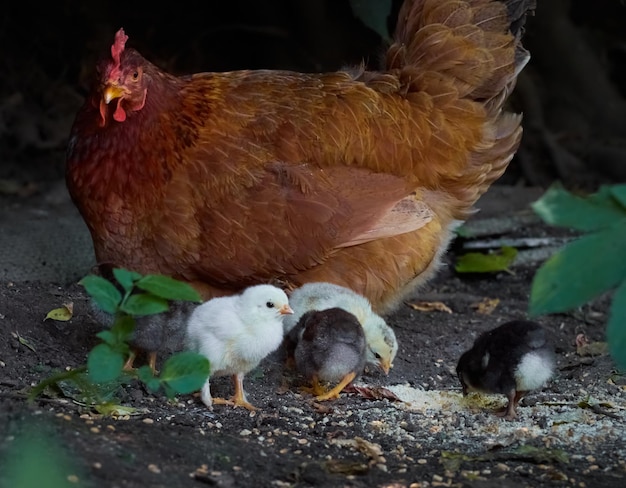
x: 35, y: 458
x: 592, y: 264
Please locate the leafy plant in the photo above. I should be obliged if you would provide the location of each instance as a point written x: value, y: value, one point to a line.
x: 136, y: 296
x: 589, y: 266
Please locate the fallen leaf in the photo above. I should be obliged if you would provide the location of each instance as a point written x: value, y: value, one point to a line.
x: 429, y: 307
x: 584, y: 347
x: 486, y: 306
x: 475, y: 262
x: 372, y: 392
x: 62, y: 314
x: 113, y: 410
x: 370, y: 449
x: 23, y: 341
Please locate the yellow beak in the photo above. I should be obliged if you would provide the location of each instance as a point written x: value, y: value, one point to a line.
x: 385, y: 365
x: 111, y: 92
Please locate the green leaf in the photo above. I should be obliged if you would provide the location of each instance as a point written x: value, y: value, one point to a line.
x: 120, y: 332
x: 104, y: 293
x: 126, y: 278
x: 619, y: 193
x: 108, y: 337
x: 616, y: 328
x: 580, y: 271
x: 104, y: 363
x: 123, y: 328
x: 475, y: 262
x: 144, y: 304
x: 374, y: 14
x: 168, y: 288
x: 560, y: 207
x: 145, y: 374
x: 185, y: 372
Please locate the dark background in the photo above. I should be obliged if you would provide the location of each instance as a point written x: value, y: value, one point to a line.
x: 572, y: 93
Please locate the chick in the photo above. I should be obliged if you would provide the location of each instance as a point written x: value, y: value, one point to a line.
x: 235, y: 333
x: 157, y: 335
x: 382, y: 345
x: 330, y: 350
x: 511, y: 359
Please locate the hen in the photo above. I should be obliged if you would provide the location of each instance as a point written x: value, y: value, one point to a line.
x: 355, y: 177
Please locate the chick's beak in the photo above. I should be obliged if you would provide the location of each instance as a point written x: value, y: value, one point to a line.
x: 385, y: 365
x: 285, y: 309
x: 111, y: 92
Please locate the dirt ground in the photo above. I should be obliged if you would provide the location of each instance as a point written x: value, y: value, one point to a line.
x: 419, y: 432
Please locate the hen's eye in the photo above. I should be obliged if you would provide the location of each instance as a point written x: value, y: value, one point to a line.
x: 269, y: 305
x: 135, y: 75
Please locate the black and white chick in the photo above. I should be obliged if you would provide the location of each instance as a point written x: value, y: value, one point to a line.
x: 511, y: 359
x: 382, y: 345
x: 330, y: 350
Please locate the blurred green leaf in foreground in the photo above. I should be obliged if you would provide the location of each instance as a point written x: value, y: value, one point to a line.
x: 590, y: 265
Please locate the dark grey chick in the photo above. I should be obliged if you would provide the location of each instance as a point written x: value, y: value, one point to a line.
x: 330, y: 350
x: 159, y: 334
x: 511, y: 359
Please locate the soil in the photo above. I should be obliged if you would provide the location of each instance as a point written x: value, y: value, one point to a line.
x: 410, y: 428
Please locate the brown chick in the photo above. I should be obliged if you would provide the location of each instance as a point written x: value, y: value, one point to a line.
x: 354, y: 177
x: 330, y: 350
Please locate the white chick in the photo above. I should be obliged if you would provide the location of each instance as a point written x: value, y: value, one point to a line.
x: 382, y: 344
x: 235, y: 333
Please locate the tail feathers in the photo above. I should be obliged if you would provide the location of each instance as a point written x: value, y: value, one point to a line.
x: 472, y: 46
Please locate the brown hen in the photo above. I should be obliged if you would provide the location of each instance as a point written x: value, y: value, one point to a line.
x: 355, y: 177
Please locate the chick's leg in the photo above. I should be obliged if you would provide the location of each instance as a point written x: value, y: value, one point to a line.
x: 316, y: 388
x: 152, y: 359
x: 206, y: 394
x: 509, y: 412
x: 239, y: 398
x: 128, y: 365
x: 334, y: 393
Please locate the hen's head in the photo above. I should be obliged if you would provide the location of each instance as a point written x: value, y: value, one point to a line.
x: 122, y: 80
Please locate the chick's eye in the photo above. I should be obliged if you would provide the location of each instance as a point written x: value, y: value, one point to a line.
x: 269, y: 305
x: 376, y: 355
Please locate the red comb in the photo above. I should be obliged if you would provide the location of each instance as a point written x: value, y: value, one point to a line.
x: 116, y: 51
